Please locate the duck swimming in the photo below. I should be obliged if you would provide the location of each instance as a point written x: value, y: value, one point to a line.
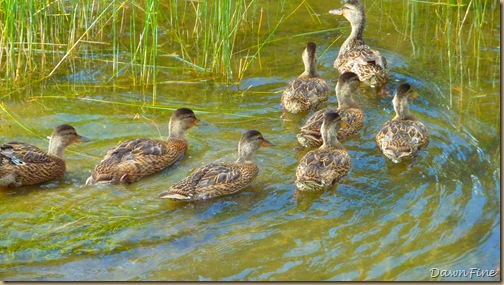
x: 309, y: 89
x: 133, y: 159
x: 25, y: 164
x: 355, y: 55
x: 221, y: 178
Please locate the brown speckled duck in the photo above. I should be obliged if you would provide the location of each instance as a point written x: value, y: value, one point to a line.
x: 355, y: 55
x: 308, y: 90
x: 221, y: 178
x: 133, y: 159
x: 349, y: 111
x: 404, y: 135
x: 321, y: 168
x: 25, y: 164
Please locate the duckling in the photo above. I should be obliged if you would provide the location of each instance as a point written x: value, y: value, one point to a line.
x: 404, y: 135
x: 349, y: 111
x: 25, y: 164
x: 221, y: 178
x: 355, y: 55
x: 133, y: 159
x: 308, y: 90
x: 321, y: 168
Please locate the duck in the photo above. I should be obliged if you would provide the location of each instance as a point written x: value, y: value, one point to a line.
x: 134, y: 159
x: 348, y: 109
x: 309, y: 89
x: 24, y: 164
x: 355, y: 55
x: 221, y: 178
x: 404, y: 135
x: 321, y: 168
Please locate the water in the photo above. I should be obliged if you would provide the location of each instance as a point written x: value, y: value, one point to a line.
x: 384, y: 221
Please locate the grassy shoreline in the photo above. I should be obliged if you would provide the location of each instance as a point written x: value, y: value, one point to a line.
x: 145, y: 42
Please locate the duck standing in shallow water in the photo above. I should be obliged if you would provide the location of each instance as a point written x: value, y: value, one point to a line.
x: 25, y: 164
x: 355, y: 55
x: 348, y: 84
x: 221, y: 178
x: 308, y: 90
x: 133, y: 159
x: 321, y: 168
x: 404, y: 135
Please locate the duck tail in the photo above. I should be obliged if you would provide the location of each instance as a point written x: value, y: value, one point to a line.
x: 174, y: 196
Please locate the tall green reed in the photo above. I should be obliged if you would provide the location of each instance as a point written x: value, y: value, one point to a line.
x: 461, y: 46
x: 207, y: 31
x: 129, y: 40
x: 43, y: 39
x: 40, y: 39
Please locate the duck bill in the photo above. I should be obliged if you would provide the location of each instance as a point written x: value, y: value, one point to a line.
x: 336, y: 12
x: 267, y: 143
x: 199, y: 122
x: 414, y: 95
x: 82, y: 139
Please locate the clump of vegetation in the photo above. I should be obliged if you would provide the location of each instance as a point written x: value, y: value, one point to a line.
x: 133, y: 41
x: 43, y: 38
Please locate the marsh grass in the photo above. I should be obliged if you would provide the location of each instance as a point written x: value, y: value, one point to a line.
x: 461, y: 45
x: 40, y: 39
x: 207, y: 34
x: 120, y: 38
x: 150, y: 41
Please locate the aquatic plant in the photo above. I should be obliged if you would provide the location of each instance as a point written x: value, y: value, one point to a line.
x: 460, y: 45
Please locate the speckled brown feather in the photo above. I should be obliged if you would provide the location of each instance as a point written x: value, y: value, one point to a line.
x: 404, y: 135
x: 308, y: 90
x: 402, y: 138
x: 349, y: 112
x: 25, y: 164
x: 309, y: 134
x: 355, y: 55
x: 304, y: 94
x: 213, y: 180
x: 320, y: 169
x: 221, y: 178
x: 133, y: 159
x: 365, y: 62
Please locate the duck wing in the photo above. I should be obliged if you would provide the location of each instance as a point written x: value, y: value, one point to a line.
x: 215, y: 179
x: 133, y: 159
x: 18, y: 153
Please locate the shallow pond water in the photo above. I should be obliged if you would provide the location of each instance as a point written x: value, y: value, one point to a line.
x: 384, y: 221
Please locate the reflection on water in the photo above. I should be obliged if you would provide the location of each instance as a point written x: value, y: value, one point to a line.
x: 384, y: 221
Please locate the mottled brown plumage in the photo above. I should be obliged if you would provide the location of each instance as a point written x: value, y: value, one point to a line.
x: 133, y: 159
x: 355, y: 55
x: 25, y: 164
x: 404, y: 135
x: 308, y: 90
x: 321, y: 168
x: 349, y: 111
x: 221, y: 178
